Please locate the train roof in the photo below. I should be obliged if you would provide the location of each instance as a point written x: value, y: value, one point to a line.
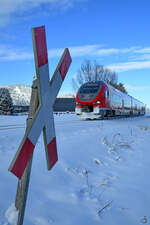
x: 92, y: 82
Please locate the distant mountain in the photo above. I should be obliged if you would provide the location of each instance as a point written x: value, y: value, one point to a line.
x: 65, y: 95
x: 21, y: 94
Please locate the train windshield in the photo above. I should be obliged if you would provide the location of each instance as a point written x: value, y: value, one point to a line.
x: 89, y: 90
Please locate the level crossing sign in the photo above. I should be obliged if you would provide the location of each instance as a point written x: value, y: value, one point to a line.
x: 43, y: 118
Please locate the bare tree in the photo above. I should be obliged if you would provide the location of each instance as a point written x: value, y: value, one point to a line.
x: 94, y: 72
x: 121, y: 87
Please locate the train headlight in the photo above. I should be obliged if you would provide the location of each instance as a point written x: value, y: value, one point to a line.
x: 95, y: 103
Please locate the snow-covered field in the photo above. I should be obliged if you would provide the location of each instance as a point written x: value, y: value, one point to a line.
x: 102, y: 176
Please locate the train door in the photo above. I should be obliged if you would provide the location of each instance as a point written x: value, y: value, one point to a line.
x: 123, y: 110
x: 107, y: 97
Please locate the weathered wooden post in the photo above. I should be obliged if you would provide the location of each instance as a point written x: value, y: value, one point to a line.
x: 23, y: 183
x: 44, y: 93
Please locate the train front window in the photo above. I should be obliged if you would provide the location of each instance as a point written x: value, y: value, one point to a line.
x: 89, y: 90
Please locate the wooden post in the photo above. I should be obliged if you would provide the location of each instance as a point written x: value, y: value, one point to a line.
x: 23, y: 183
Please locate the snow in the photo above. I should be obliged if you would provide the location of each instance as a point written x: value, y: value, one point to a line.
x: 21, y: 94
x: 65, y: 95
x: 102, y: 176
x: 12, y: 215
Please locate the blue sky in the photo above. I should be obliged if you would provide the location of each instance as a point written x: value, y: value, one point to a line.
x: 115, y: 33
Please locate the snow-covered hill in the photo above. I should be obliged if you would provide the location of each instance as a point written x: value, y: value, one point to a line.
x: 20, y: 94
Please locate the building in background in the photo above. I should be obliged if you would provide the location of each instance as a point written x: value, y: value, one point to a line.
x: 64, y: 105
x: 20, y: 95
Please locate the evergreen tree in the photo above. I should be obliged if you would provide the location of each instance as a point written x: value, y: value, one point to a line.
x: 6, y: 104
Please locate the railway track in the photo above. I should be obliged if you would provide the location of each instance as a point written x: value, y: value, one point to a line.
x: 11, y: 126
x: 121, y: 117
x: 15, y: 126
x: 21, y: 126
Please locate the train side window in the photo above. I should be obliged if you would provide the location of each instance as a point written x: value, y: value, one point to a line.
x: 106, y: 94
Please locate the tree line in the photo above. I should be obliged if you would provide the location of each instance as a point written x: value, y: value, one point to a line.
x: 94, y: 72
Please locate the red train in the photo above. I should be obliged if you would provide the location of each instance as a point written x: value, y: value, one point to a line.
x: 98, y: 99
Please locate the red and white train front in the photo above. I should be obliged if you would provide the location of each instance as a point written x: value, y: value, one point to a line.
x: 92, y: 100
x: 98, y: 99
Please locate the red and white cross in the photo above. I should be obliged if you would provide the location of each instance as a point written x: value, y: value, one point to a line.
x: 43, y: 119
